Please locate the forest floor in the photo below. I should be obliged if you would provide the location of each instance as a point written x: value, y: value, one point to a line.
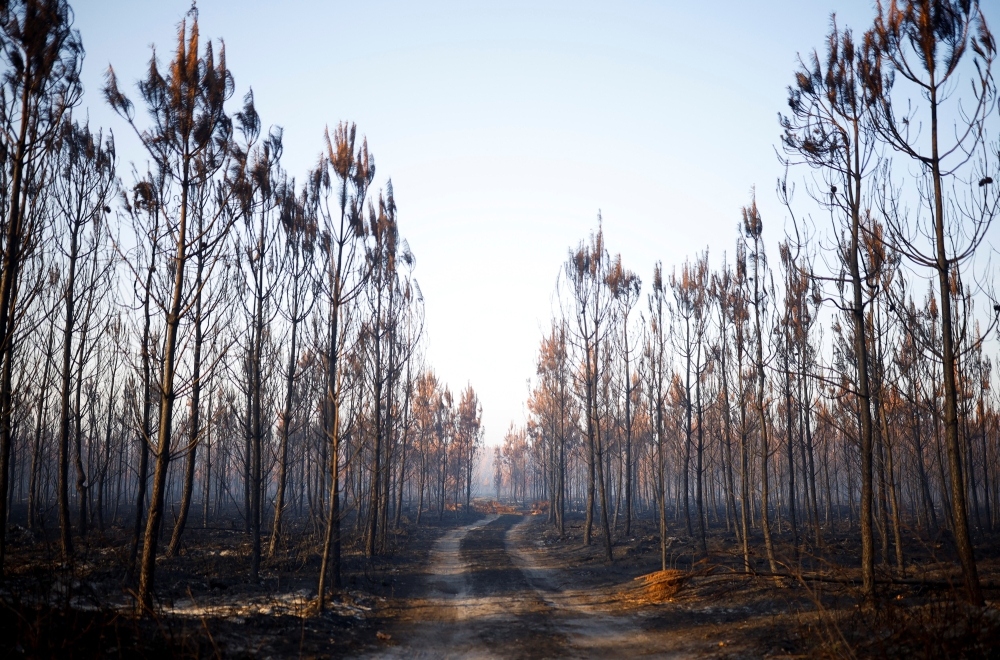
x: 492, y: 586
x: 509, y: 586
x: 206, y: 604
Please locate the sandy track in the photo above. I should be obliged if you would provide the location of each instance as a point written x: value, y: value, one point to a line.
x: 441, y: 624
x: 585, y: 616
x: 488, y: 596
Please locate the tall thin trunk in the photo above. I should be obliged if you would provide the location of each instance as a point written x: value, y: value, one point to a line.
x: 893, y: 501
x: 82, y: 482
x: 727, y: 425
x: 963, y: 540
x: 806, y: 402
x: 167, y: 396
x: 762, y: 421
x: 699, y: 467
x: 33, y: 487
x: 402, y: 456
x: 376, y: 470
x: 628, y: 435
x: 256, y: 403
x: 745, y: 511
x: 9, y: 276
x: 65, y: 411
x: 688, y: 428
x: 147, y: 405
x: 331, y: 541
x: 864, y: 397
x: 207, y: 489
x: 195, y: 428
x: 659, y: 481
x: 591, y: 449
x: 789, y: 426
x: 286, y: 422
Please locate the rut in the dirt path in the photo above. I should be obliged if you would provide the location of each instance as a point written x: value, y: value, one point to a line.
x: 586, y: 618
x: 488, y: 597
x: 478, y: 604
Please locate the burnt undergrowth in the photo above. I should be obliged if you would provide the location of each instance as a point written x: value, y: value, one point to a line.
x: 812, y: 608
x: 206, y: 605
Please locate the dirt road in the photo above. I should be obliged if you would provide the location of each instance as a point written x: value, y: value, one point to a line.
x: 488, y: 596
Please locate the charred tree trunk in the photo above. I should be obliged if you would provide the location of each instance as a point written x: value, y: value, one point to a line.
x: 286, y: 422
x: 65, y: 410
x: 33, y: 486
x: 195, y: 419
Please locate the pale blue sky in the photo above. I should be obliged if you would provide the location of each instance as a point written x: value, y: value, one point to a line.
x: 505, y: 126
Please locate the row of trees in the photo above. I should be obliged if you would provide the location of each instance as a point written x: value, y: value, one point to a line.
x: 832, y: 386
x: 212, y: 338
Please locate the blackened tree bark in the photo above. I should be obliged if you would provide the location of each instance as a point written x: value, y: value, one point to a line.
x: 830, y: 129
x: 753, y: 227
x: 343, y: 233
x: 84, y: 184
x: 190, y: 127
x: 926, y: 43
x: 299, y: 228
x: 42, y: 55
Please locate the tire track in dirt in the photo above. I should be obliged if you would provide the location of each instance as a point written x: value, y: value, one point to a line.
x: 432, y: 626
x: 477, y: 603
x: 488, y: 596
x: 584, y: 617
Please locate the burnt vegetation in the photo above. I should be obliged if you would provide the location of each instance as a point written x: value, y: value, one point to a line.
x: 825, y: 421
x: 215, y: 408
x: 213, y: 379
